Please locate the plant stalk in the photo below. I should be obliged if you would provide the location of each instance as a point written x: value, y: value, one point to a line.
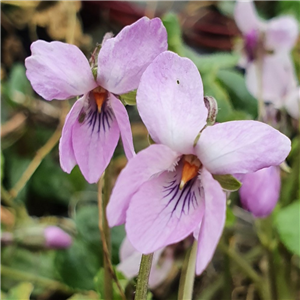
x: 187, y: 277
x: 143, y: 277
x: 109, y: 274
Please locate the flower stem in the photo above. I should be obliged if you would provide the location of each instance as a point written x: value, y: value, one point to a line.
x: 259, y: 75
x: 109, y: 274
x: 187, y: 278
x: 143, y: 277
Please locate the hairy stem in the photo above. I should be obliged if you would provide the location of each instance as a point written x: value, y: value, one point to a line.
x: 109, y: 274
x: 187, y: 277
x: 143, y: 277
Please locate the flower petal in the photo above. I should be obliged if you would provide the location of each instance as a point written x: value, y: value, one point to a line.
x: 213, y: 221
x: 131, y: 258
x: 161, y: 214
x: 241, y: 147
x: 281, y: 33
x: 260, y: 191
x: 292, y: 103
x: 94, y: 141
x: 246, y: 17
x: 146, y: 164
x: 58, y: 71
x: 170, y: 101
x: 124, y: 125
x: 66, y: 152
x: 123, y: 59
x: 277, y: 78
x: 160, y: 269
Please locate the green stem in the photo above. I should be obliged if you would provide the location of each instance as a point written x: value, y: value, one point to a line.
x: 187, y: 277
x: 143, y: 277
x: 50, y: 284
x: 108, y: 288
x: 261, y: 104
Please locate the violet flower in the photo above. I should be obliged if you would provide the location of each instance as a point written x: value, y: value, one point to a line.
x: 167, y: 190
x: 270, y: 74
x: 260, y: 191
x: 262, y: 37
x: 92, y: 128
x: 130, y: 260
x: 279, y: 84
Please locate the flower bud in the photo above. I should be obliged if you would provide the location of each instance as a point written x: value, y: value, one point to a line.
x: 260, y: 190
x: 41, y: 237
x: 56, y: 238
x: 212, y: 107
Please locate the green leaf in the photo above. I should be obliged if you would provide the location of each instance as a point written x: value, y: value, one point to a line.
x: 226, y: 7
x: 287, y: 223
x: 91, y: 295
x: 87, y: 225
x: 33, y: 263
x: 175, y: 42
x: 228, y: 182
x: 234, y: 83
x: 290, y: 182
x: 208, y: 62
x: 99, y: 284
x: 51, y: 183
x: 214, y: 89
x: 129, y: 98
x: 21, y: 292
x: 18, y: 86
x: 78, y: 265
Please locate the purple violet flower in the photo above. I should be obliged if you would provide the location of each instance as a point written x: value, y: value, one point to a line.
x: 276, y: 35
x: 267, y: 50
x: 279, y: 84
x: 260, y: 191
x: 167, y: 191
x: 92, y: 128
x: 56, y: 238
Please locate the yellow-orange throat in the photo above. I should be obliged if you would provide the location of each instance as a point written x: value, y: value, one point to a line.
x: 100, y: 95
x: 190, y: 169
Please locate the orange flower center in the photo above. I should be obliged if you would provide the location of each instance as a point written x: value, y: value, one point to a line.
x: 100, y: 95
x: 190, y: 169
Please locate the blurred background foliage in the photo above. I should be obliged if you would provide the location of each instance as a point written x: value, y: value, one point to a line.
x: 35, y: 191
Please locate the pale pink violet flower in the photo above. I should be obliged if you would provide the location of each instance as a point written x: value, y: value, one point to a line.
x: 270, y: 74
x: 278, y: 85
x: 260, y: 191
x: 130, y: 260
x: 97, y: 119
x: 261, y: 37
x: 167, y: 190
